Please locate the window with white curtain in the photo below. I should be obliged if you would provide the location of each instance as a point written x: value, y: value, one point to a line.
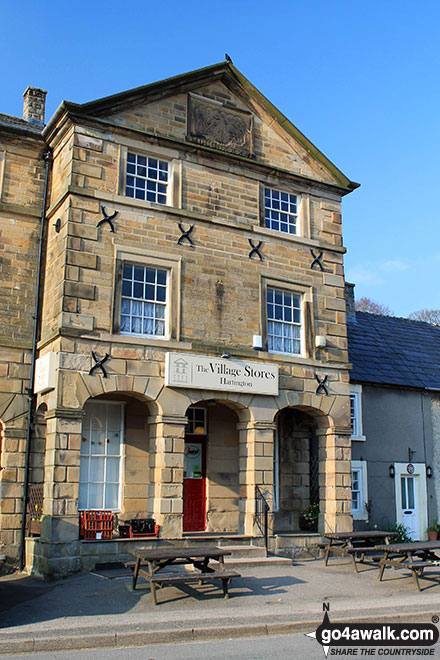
x: 144, y: 301
x: 283, y: 321
x: 101, y: 452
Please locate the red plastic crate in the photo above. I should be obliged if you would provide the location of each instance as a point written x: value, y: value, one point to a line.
x: 93, y: 523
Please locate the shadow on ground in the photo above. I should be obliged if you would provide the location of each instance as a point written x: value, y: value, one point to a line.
x: 24, y: 600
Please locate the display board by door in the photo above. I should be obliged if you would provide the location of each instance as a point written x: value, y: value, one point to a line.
x: 194, y: 484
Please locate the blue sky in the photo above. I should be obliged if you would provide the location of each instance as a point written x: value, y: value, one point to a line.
x: 360, y: 79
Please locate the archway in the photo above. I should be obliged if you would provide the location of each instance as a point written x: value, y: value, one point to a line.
x: 115, y: 456
x: 296, y: 468
x: 211, y: 468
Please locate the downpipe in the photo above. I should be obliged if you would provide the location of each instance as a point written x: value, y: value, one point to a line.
x: 47, y: 157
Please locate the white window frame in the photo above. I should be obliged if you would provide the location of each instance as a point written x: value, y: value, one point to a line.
x: 142, y: 257
x: 356, y: 418
x: 164, y: 304
x: 170, y: 156
x: 292, y: 323
x: 116, y: 509
x: 288, y: 213
x: 361, y: 468
x: 147, y: 178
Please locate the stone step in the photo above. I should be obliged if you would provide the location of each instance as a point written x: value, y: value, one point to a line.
x: 247, y: 551
x: 242, y: 562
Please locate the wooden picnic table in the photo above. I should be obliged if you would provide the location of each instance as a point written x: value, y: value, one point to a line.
x: 355, y: 544
x: 414, y: 556
x: 156, y: 559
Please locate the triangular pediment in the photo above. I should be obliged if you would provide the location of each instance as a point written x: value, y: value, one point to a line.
x: 217, y: 107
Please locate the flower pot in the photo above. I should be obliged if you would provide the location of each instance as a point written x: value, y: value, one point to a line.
x: 308, y: 524
x: 432, y: 536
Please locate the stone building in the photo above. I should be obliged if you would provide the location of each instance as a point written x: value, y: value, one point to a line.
x: 192, y: 330
x: 395, y: 385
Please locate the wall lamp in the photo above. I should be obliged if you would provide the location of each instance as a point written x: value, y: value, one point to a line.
x: 392, y: 471
x: 429, y: 471
x: 226, y: 355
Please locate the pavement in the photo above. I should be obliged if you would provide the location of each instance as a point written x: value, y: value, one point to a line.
x: 100, y: 609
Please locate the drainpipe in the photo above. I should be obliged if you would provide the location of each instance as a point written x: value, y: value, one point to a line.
x: 47, y: 157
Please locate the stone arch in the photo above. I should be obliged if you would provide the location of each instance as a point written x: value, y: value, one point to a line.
x: 220, y: 486
x: 174, y: 401
x: 135, y: 411
x: 82, y: 387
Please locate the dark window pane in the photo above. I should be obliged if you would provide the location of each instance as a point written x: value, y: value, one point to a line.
x: 138, y: 273
x: 161, y: 276
x: 131, y: 158
x: 161, y: 293
x: 150, y: 275
x: 138, y: 290
x: 149, y: 292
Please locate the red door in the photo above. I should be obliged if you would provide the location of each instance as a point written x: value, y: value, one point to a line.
x: 194, y: 492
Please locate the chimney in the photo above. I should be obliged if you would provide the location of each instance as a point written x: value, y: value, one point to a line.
x: 349, y: 301
x: 34, y: 105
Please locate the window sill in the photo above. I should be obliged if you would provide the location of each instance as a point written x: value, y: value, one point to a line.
x: 295, y: 238
x: 358, y: 438
x: 140, y: 341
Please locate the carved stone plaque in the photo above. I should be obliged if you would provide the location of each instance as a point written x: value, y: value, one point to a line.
x: 214, y: 125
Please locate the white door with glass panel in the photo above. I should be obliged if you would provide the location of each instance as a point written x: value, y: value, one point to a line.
x: 411, y: 498
x: 100, y: 461
x: 410, y: 514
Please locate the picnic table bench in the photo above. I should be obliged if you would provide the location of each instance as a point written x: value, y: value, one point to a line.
x: 415, y: 557
x: 358, y: 545
x: 155, y: 560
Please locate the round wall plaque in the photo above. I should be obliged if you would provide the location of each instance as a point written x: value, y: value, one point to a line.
x: 410, y: 468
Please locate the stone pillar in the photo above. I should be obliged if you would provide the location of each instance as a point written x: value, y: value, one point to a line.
x: 335, y: 479
x: 167, y: 444
x: 256, y: 468
x: 11, y: 489
x: 59, y: 551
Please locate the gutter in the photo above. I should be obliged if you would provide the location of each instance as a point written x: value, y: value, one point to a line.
x: 47, y: 157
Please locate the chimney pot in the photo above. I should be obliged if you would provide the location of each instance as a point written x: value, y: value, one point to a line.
x: 34, y: 105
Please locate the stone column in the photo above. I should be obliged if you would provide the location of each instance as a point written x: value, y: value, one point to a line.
x: 167, y: 443
x: 335, y: 479
x: 256, y: 468
x: 59, y: 552
x: 11, y: 488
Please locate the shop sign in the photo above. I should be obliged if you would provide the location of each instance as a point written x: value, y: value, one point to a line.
x: 230, y: 375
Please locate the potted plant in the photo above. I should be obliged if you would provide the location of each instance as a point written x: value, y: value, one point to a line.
x: 433, y: 531
x: 308, y: 520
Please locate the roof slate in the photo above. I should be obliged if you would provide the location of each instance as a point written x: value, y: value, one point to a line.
x: 9, y: 121
x: 394, y: 351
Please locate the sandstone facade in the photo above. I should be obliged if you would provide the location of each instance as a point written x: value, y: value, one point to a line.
x: 219, y: 160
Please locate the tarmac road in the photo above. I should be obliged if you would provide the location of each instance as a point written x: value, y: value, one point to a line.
x: 279, y: 647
